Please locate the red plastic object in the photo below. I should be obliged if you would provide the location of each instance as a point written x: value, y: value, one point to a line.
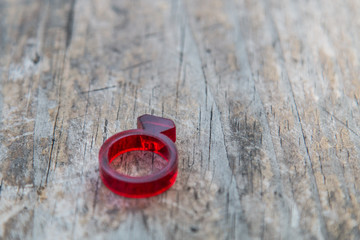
x: 154, y: 134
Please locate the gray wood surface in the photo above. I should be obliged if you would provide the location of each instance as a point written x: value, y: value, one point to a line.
x: 265, y: 95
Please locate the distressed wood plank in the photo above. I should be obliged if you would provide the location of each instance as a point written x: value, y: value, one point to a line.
x: 265, y: 95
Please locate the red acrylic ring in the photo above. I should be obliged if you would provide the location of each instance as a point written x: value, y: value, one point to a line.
x: 154, y: 134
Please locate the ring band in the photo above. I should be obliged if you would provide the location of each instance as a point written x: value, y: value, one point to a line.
x: 154, y: 134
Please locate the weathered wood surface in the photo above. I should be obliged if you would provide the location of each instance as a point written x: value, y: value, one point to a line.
x: 265, y: 95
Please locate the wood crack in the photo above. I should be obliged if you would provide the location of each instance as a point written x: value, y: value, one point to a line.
x: 52, y: 146
x: 98, y: 89
x: 136, y: 65
x: 70, y: 24
x: 339, y: 121
x: 1, y: 184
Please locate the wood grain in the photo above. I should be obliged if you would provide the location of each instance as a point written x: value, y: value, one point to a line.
x: 265, y: 95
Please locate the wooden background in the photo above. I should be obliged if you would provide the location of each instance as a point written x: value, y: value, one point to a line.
x: 265, y: 95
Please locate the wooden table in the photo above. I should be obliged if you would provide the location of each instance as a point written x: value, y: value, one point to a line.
x: 265, y: 95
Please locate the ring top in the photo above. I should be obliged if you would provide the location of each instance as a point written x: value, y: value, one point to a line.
x: 157, y: 125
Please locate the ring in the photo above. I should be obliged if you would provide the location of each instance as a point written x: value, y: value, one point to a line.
x: 154, y: 134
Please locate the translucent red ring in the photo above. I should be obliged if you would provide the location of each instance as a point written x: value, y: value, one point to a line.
x: 154, y: 136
